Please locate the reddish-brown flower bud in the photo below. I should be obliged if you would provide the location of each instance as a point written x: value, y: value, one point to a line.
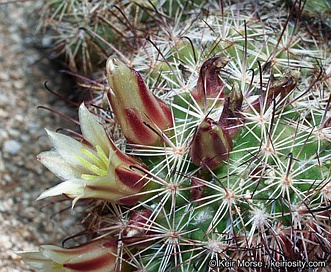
x: 210, y: 146
x: 137, y: 229
x: 197, y: 189
x: 135, y: 106
x: 210, y: 86
x: 231, y: 117
x: 278, y: 89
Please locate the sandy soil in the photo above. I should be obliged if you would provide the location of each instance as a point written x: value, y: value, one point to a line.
x: 25, y: 223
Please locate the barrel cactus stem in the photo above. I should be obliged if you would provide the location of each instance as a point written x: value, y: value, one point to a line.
x: 219, y: 164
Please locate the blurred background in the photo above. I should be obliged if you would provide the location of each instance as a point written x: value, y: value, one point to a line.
x: 25, y: 223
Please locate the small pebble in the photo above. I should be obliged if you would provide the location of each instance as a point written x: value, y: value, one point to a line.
x: 11, y: 146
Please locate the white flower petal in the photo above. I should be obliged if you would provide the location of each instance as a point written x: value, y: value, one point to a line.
x: 93, y: 132
x: 73, y: 188
x: 68, y: 148
x: 38, y: 261
x: 56, y: 164
x: 65, y: 145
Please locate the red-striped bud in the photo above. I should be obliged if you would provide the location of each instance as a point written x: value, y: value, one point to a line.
x: 137, y: 110
x: 211, y: 145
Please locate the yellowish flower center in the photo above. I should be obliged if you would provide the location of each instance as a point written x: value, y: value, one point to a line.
x: 57, y: 266
x: 97, y: 164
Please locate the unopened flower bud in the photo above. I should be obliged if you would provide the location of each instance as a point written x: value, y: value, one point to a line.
x: 139, y: 113
x: 210, y: 146
x: 210, y: 86
x: 197, y: 191
x: 137, y: 228
x: 230, y: 119
x: 278, y: 89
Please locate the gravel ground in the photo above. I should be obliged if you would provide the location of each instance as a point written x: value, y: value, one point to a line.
x: 23, y: 224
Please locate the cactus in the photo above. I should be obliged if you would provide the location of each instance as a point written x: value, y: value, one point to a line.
x: 226, y: 167
x: 81, y: 32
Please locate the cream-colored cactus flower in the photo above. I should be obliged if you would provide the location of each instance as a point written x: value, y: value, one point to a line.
x: 91, y: 168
